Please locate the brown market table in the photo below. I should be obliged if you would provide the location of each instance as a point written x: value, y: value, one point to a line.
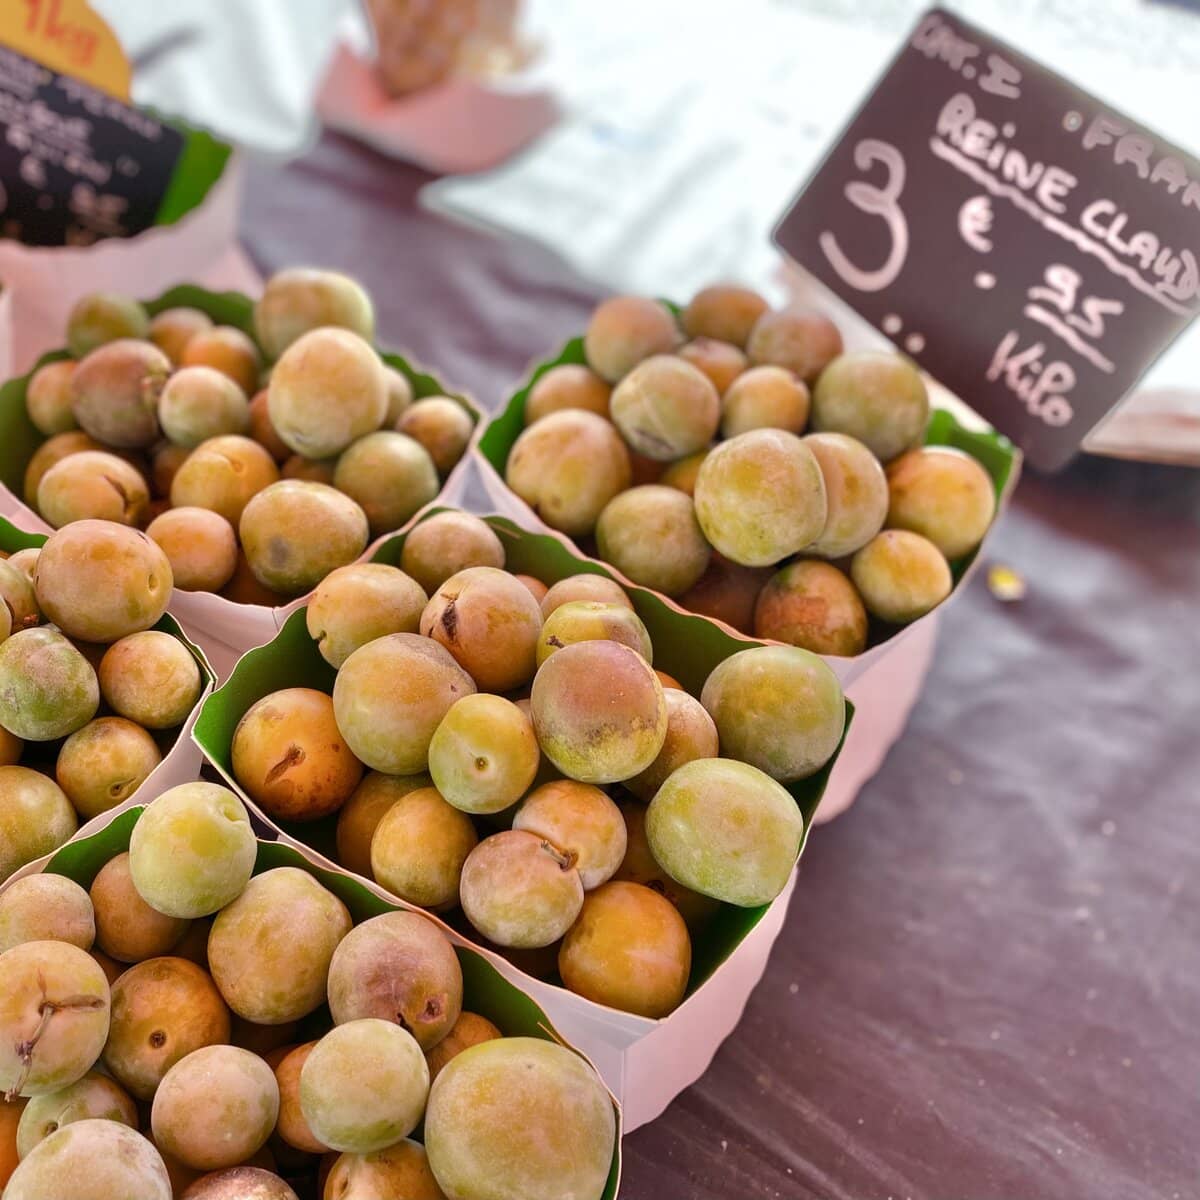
x: 989, y: 984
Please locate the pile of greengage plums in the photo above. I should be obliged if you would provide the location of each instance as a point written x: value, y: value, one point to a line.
x: 257, y: 480
x: 75, y: 642
x: 525, y: 761
x: 678, y: 447
x: 251, y: 1031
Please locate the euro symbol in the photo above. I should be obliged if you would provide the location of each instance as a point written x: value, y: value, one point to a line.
x: 975, y: 221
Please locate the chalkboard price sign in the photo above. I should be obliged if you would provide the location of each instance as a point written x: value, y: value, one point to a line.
x: 1030, y: 247
x: 76, y: 163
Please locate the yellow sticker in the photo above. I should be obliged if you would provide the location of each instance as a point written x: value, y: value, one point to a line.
x: 68, y: 37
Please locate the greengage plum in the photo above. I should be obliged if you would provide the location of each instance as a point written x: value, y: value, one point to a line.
x: 172, y: 329
x: 691, y: 734
x: 104, y: 763
x: 943, y: 494
x: 446, y: 543
x: 764, y: 398
x: 590, y: 621
x: 228, y: 350
x: 875, y: 396
x: 46, y: 908
x: 597, y: 589
x: 300, y: 299
x: 900, y: 575
x: 856, y: 494
x: 151, y: 678
x: 389, y: 475
x: 725, y: 829
x: 360, y: 815
x: 624, y: 330
x: 813, y: 605
x: 442, y: 426
x: 48, y: 398
x: 666, y: 408
x: 101, y: 317
x: 223, y: 474
x: 94, y: 1097
x: 92, y: 485
x: 651, y: 535
x: 192, y: 851
x: 198, y: 403
x: 47, y: 688
x: 358, y: 603
x: 289, y: 756
x: 725, y: 311
x: 579, y: 820
x: 390, y: 696
x: 569, y: 385
x: 115, y: 391
x: 805, y: 343
x: 127, y: 928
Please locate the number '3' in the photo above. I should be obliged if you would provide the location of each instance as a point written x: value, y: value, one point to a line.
x: 883, y: 202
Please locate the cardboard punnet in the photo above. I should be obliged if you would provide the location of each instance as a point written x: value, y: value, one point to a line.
x: 885, y: 680
x: 181, y: 757
x: 485, y: 990
x: 646, y: 1062
x: 225, y: 628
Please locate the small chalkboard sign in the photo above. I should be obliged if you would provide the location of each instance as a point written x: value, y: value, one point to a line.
x: 1030, y: 247
x: 76, y: 164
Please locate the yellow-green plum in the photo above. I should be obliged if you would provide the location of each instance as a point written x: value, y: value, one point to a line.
x: 803, y: 342
x: 640, y: 866
x: 943, y: 494
x: 364, y: 1086
x: 484, y: 754
x: 598, y: 711
x: 17, y: 596
x: 399, y: 1170
x: 115, y: 390
x: 327, y: 389
x: 104, y: 763
x: 725, y: 311
x: 359, y: 817
x: 523, y: 1117
x: 446, y: 543
x: 98, y: 581
x: 691, y: 734
x: 900, y: 576
x: 192, y: 850
x: 94, y: 1097
x: 814, y: 605
x: 270, y: 949
x: 725, y: 829
x: 291, y: 759
x: 651, y: 535
x: 875, y: 396
x: 624, y: 330
x: 198, y: 403
x: 597, y: 589
x: 51, y: 451
x: 629, y: 949
x: 391, y: 695
x: 779, y: 708
x: 263, y: 432
x: 291, y: 1126
x: 856, y: 494
x: 200, y: 545
x: 92, y: 485
x: 295, y: 532
x: 419, y: 849
x: 489, y: 622
x: 127, y: 928
x: 360, y: 602
x: 48, y: 398
x: 46, y: 908
x: 567, y: 467
x: 398, y: 967
x: 47, y: 688
x: 442, y: 426
x: 242, y: 1182
x: 223, y: 474
x: 760, y: 497
x: 228, y: 350
x: 590, y: 621
x: 721, y: 361
x: 315, y: 470
x: 101, y: 317
x: 151, y: 678
x: 519, y: 890
x: 22, y: 560
x: 162, y: 1010
x: 666, y: 408
x: 91, y: 1160
x: 300, y: 299
x: 469, y: 1030
x: 215, y: 1107
x: 389, y: 475
x: 765, y: 398
x: 681, y: 474
x: 400, y: 395
x: 569, y: 385
x: 579, y: 820
x: 53, y: 1017
x: 172, y: 329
